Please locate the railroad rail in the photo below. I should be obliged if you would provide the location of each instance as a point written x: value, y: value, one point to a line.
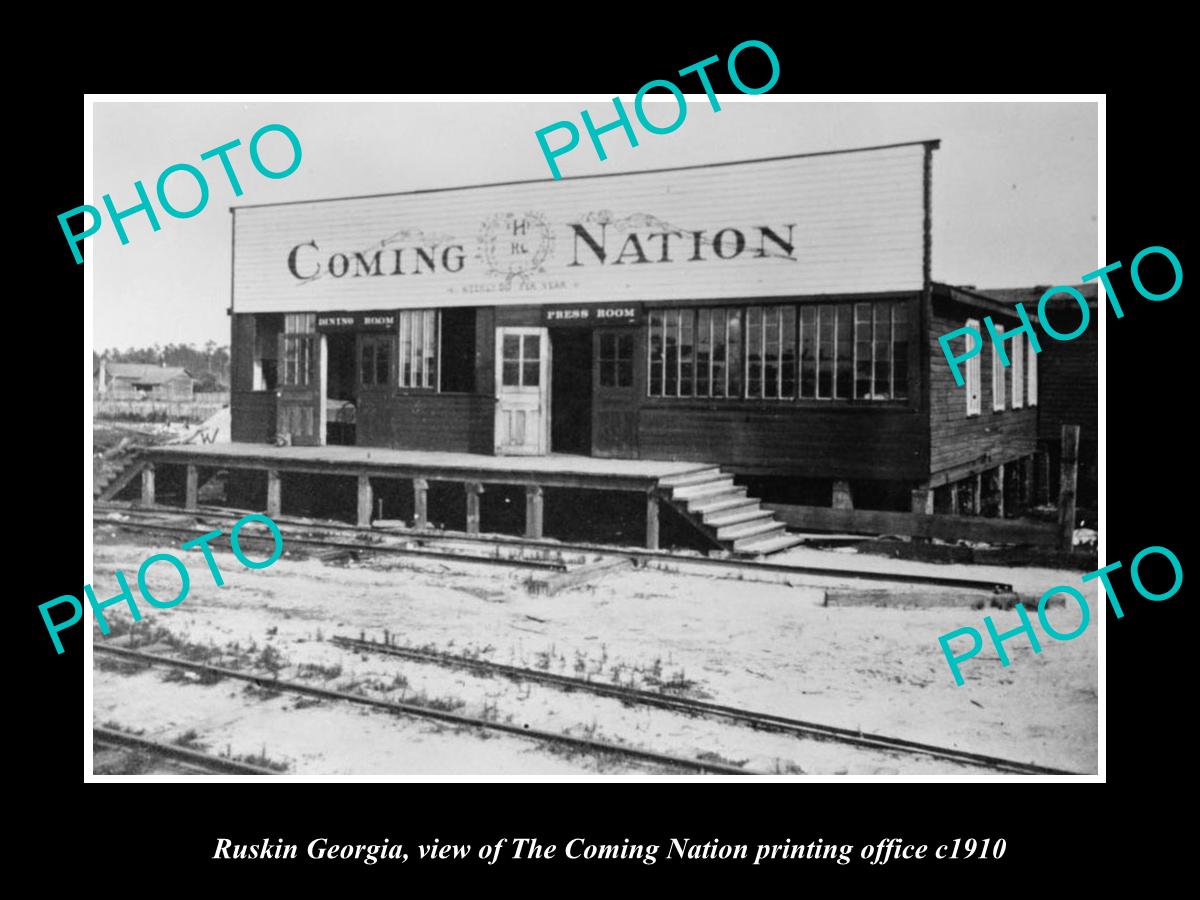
x: 756, y: 720
x: 349, y: 546
x: 424, y: 712
x: 217, y: 764
x: 647, y: 558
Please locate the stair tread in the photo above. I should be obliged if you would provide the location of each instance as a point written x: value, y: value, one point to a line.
x: 734, y: 514
x: 725, y: 499
x: 688, y: 478
x: 703, y: 488
x: 749, y: 528
x: 771, y: 544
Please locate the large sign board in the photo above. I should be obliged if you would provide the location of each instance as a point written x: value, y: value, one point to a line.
x: 837, y: 223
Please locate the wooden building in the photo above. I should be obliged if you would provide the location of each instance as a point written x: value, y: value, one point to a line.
x: 140, y: 381
x: 774, y: 318
x: 1069, y: 373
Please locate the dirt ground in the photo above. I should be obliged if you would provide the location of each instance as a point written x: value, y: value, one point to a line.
x: 764, y: 647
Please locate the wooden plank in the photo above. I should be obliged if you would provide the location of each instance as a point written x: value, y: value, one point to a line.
x: 870, y: 521
x: 364, y: 501
x: 1068, y: 479
x: 553, y: 583
x: 922, y: 500
x: 533, y: 511
x: 919, y: 599
x: 115, y: 487
x: 147, y: 485
x: 193, y: 487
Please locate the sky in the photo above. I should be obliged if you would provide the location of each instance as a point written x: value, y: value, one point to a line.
x: 1014, y: 184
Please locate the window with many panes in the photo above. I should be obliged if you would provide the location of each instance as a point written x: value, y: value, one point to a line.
x: 615, y: 361
x: 521, y: 360
x: 418, y: 348
x: 375, y: 360
x: 815, y: 351
x: 299, y: 347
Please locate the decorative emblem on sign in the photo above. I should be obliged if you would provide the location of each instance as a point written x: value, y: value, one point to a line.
x: 516, y: 245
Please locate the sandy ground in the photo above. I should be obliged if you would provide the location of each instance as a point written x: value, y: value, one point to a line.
x: 765, y: 647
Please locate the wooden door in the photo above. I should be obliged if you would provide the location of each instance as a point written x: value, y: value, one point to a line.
x: 300, y: 416
x: 614, y: 393
x: 522, y: 391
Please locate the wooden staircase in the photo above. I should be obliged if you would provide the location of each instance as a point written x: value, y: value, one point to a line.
x: 111, y: 473
x: 725, y: 514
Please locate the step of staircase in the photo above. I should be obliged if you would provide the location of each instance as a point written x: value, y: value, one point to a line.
x: 770, y: 544
x: 712, y: 485
x: 772, y: 529
x: 693, y: 477
x: 731, y: 515
x: 749, y: 528
x: 722, y: 500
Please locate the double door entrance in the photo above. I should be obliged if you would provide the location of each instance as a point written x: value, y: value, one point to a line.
x: 566, y: 390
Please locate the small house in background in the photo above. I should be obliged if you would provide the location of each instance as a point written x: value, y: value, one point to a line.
x: 142, y: 381
x: 1069, y: 373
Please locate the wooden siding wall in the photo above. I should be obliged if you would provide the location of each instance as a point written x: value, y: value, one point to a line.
x: 460, y: 423
x: 252, y: 416
x: 1068, y: 374
x: 978, y: 442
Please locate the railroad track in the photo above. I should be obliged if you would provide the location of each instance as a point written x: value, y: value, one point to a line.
x: 107, y: 737
x: 424, y: 712
x: 349, y: 546
x: 418, y: 546
x: 756, y: 720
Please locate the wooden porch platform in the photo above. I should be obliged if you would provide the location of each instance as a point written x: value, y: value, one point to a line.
x: 555, y: 470
x: 649, y: 477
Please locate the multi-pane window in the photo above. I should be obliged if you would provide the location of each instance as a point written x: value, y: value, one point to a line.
x: 299, y: 345
x: 695, y: 353
x: 970, y: 340
x: 771, y: 352
x: 1018, y: 372
x: 828, y: 351
x: 616, y: 359
x: 1031, y: 384
x: 418, y: 348
x: 521, y: 360
x: 998, y: 374
x: 374, y: 363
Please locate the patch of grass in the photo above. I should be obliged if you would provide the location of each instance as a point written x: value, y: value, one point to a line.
x: 315, y: 670
x: 191, y: 740
x: 128, y: 762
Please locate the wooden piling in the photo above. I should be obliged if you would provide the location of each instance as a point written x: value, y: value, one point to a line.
x: 274, y: 493
x: 192, y: 491
x: 148, y: 485
x: 474, y: 489
x: 652, y: 520
x: 1068, y: 478
x: 363, y: 519
x: 533, y: 511
x: 420, y: 503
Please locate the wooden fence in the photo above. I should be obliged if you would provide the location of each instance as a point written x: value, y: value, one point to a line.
x: 199, y: 408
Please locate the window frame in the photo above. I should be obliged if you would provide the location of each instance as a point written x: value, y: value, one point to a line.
x: 999, y: 377
x: 971, y: 383
x: 788, y: 348
x: 1018, y: 372
x: 1031, y: 378
x: 405, y: 356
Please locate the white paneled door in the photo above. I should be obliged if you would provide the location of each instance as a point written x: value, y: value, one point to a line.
x: 522, y: 391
